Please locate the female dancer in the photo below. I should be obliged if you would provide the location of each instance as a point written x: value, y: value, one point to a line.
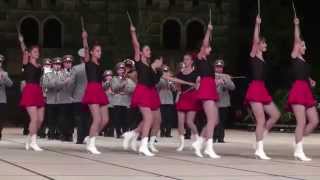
x: 94, y: 95
x: 301, y: 99
x: 146, y: 97
x: 257, y: 95
x: 207, y: 94
x: 32, y: 96
x: 188, y: 103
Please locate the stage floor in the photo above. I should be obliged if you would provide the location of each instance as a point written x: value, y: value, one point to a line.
x: 67, y: 161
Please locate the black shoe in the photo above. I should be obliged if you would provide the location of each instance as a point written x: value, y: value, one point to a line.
x: 51, y: 136
x: 221, y: 141
x: 25, y: 132
x: 162, y: 134
x: 187, y: 137
x: 79, y: 142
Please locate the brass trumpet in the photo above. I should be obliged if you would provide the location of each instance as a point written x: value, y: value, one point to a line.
x: 129, y: 62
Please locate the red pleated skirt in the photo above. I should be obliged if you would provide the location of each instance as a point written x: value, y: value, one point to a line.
x: 94, y: 94
x: 32, y: 95
x: 257, y: 92
x: 300, y: 93
x: 188, y: 101
x: 145, y: 96
x: 207, y: 89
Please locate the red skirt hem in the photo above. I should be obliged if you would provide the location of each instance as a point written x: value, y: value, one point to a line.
x: 145, y: 96
x: 301, y: 94
x: 94, y: 94
x: 207, y: 89
x: 188, y: 102
x: 32, y: 95
x: 257, y: 92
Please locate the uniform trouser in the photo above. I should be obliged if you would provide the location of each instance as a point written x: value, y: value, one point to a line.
x: 65, y: 120
x: 53, y: 113
x: 109, y: 129
x: 3, y: 107
x: 219, y: 129
x: 120, y: 119
x: 168, y: 116
x: 134, y: 118
x: 81, y: 120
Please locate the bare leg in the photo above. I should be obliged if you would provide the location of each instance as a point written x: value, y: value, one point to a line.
x: 33, y: 124
x: 147, y: 121
x: 258, y: 111
x: 273, y: 114
x: 313, y: 120
x: 181, y: 120
x: 211, y: 112
x: 96, y: 119
x: 300, y: 114
x: 190, y: 121
x: 156, y: 122
x: 104, y: 117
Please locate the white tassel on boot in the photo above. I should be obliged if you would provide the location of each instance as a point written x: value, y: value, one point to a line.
x: 209, y: 150
x: 259, y: 153
x: 181, y: 145
x: 127, y: 137
x: 143, y: 149
x: 299, y: 153
x: 134, y: 142
x: 33, y: 144
x: 152, y: 144
x: 91, y: 146
x: 197, y: 146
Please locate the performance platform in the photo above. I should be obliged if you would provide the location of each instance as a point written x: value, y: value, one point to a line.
x: 68, y: 161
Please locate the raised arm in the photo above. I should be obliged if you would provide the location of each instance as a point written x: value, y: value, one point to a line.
x: 256, y: 36
x: 135, y: 43
x: 297, y: 37
x: 85, y: 46
x: 179, y: 81
x: 206, y: 41
x: 297, y: 32
x: 23, y: 50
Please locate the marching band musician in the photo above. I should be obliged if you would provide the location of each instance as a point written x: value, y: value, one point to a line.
x: 5, y: 81
x: 46, y: 68
x: 122, y: 88
x: 224, y: 85
x: 52, y: 82
x: 81, y: 117
x: 65, y: 99
x: 167, y: 109
x: 106, y: 84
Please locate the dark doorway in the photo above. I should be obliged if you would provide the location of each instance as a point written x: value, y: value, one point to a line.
x: 171, y: 34
x: 195, y: 33
x: 52, y: 32
x: 29, y: 28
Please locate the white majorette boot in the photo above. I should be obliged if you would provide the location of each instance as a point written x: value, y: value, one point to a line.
x: 299, y: 154
x: 143, y: 149
x: 152, y: 144
x: 259, y: 153
x: 209, y: 150
x: 86, y: 140
x: 134, y: 142
x: 127, y: 137
x: 197, y: 146
x: 33, y: 144
x: 91, y: 146
x: 27, y: 143
x: 181, y: 145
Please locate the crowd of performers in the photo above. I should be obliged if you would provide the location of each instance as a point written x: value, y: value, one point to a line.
x: 57, y: 91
